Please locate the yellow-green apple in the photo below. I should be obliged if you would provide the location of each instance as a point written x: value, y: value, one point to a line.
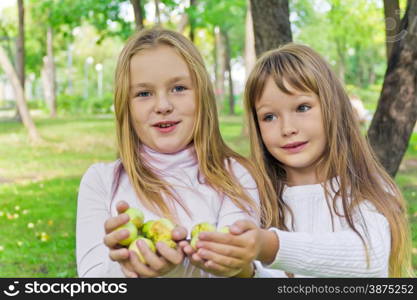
x: 134, y: 247
x: 133, y: 233
x: 136, y: 216
x: 201, y: 227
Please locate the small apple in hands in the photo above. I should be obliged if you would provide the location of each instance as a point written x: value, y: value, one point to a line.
x: 201, y: 227
x: 136, y: 216
x: 133, y: 233
x: 134, y: 247
x: 159, y: 231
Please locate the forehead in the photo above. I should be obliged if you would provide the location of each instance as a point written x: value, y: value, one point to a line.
x: 156, y: 63
x: 272, y: 91
x: 272, y: 94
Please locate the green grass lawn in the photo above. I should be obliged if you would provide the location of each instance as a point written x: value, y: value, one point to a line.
x: 39, y: 184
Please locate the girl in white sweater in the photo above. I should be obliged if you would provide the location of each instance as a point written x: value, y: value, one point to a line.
x: 173, y: 162
x: 338, y: 213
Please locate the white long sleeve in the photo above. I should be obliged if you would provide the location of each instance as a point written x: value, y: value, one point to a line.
x: 92, y: 211
x: 315, y: 249
x: 95, y: 207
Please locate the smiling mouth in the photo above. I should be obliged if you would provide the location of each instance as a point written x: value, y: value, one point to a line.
x: 294, y: 145
x: 166, y: 124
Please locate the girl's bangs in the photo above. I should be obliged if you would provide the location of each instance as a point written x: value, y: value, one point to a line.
x: 288, y: 68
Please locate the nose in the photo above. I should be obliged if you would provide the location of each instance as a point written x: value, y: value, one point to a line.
x: 163, y: 105
x: 288, y: 128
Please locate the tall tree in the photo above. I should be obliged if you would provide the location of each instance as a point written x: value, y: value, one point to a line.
x: 396, y: 113
x: 392, y: 23
x: 250, y: 54
x: 48, y: 74
x: 139, y: 13
x: 20, y: 96
x: 228, y: 51
x: 220, y: 64
x: 271, y: 24
x: 229, y: 36
x: 20, y: 50
x: 191, y: 20
x: 157, y: 13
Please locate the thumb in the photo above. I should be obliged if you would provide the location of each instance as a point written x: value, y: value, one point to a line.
x: 122, y: 206
x: 241, y: 226
x: 179, y: 233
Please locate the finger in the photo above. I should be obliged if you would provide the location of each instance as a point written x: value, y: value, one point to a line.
x: 122, y: 206
x: 186, y: 248
x: 171, y: 255
x: 225, y: 250
x: 183, y: 244
x: 196, y: 258
x: 156, y: 263
x: 127, y: 269
x: 241, y: 226
x: 119, y: 254
x: 140, y: 268
x: 114, y: 222
x: 129, y: 274
x: 198, y: 263
x: 220, y: 270
x: 112, y: 239
x: 221, y: 238
x: 179, y: 233
x: 219, y: 259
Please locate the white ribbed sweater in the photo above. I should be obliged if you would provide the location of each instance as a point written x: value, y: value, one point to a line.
x: 314, y: 249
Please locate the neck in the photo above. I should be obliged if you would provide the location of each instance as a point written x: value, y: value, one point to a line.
x: 301, y: 177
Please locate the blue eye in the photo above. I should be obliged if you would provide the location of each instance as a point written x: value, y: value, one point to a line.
x: 303, y: 108
x: 268, y: 118
x: 143, y: 94
x: 179, y: 89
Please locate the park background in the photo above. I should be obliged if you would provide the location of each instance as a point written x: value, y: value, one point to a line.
x: 60, y: 121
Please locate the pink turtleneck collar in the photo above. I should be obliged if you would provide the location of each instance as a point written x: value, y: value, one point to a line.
x: 170, y: 163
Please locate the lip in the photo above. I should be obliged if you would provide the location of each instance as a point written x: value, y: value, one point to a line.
x: 173, y: 126
x: 294, y: 147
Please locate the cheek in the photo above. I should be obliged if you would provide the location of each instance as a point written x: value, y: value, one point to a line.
x: 268, y: 135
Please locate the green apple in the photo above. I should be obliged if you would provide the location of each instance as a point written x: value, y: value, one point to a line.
x: 134, y: 247
x: 158, y: 230
x: 136, y: 216
x: 194, y: 241
x: 133, y: 233
x: 169, y: 243
x: 201, y: 227
x: 146, y: 228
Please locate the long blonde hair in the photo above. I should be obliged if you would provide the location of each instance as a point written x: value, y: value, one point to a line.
x: 211, y: 151
x: 347, y: 155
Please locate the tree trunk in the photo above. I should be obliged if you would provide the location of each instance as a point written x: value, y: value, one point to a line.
x: 271, y: 24
x: 340, y: 49
x: 20, y: 51
x: 157, y: 13
x: 137, y: 9
x: 392, y: 23
x: 48, y: 75
x: 182, y: 23
x: 250, y: 54
x: 229, y: 72
x: 20, y: 97
x: 192, y: 22
x: 221, y: 66
x: 396, y: 113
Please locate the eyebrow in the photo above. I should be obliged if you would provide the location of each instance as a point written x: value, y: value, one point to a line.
x: 170, y: 81
x: 296, y: 99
